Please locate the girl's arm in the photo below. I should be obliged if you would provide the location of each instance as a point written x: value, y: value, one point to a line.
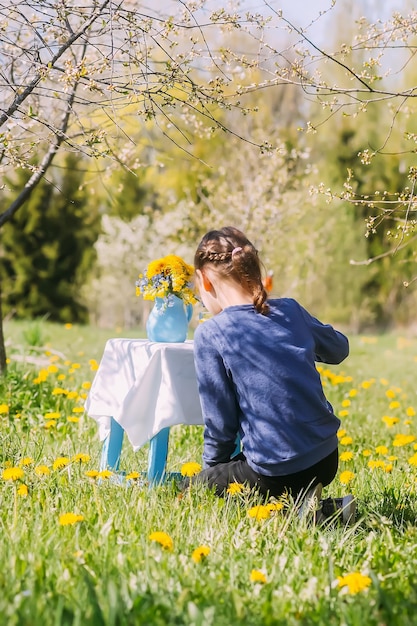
x: 218, y: 400
x: 331, y: 345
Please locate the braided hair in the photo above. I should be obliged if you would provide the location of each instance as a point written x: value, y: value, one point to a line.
x: 232, y: 254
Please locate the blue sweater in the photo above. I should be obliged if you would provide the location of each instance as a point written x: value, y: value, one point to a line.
x: 257, y: 377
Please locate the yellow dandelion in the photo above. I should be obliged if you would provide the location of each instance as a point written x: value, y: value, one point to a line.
x: 353, y: 393
x: 68, y: 326
x: 346, y: 477
x: 22, y: 490
x: 58, y: 391
x: 53, y: 415
x: 104, y: 474
x: 388, y: 468
x: 346, y: 456
x: 383, y: 381
x: 52, y: 369
x: 69, y: 519
x: 355, y: 582
x: 402, y: 440
x: 234, y: 488
x: 81, y: 457
x: 394, y: 405
x: 372, y: 464
x: 190, y: 469
x: 61, y: 377
x: 410, y: 412
x: 381, y: 450
x: 256, y: 576
x: 366, y: 452
x: 132, y: 476
x: 75, y: 366
x: 42, y: 470
x: 60, y: 462
x: 366, y: 384
x: 259, y: 512
x: 73, y: 419
x: 390, y: 393
x: 4, y: 408
x: 343, y: 413
x: 86, y: 385
x: 390, y: 421
x: 163, y: 539
x: 346, y: 402
x: 392, y: 457
x: 26, y: 461
x: 50, y: 424
x: 341, y: 433
x: 413, y: 460
x: 93, y: 365
x: 346, y: 441
x: 13, y: 473
x: 200, y: 554
x: 92, y: 473
x: 275, y: 506
x: 72, y: 395
x: 78, y: 409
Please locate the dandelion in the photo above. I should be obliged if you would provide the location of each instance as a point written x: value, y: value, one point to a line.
x: 50, y: 424
x: 381, y: 450
x: 190, y: 469
x: 346, y: 477
x: 68, y: 326
x: 26, y: 461
x: 81, y: 457
x: 275, y: 506
x: 52, y: 369
x: 256, y: 576
x: 390, y: 421
x: 69, y: 519
x: 53, y: 415
x: 346, y: 402
x: 346, y: 441
x: 353, y: 393
x: 42, y: 470
x: 60, y: 462
x: 104, y: 474
x: 13, y: 473
x: 402, y: 440
x: 394, y: 405
x: 58, y: 391
x: 78, y: 409
x: 4, y: 408
x: 22, y: 491
x: 92, y: 473
x: 234, y: 488
x: 346, y: 456
x: 73, y: 419
x: 132, y: 476
x: 200, y: 553
x: 375, y: 464
x: 343, y: 413
x: 163, y: 539
x: 355, y: 582
x: 413, y: 460
x: 366, y: 384
x: 259, y: 512
x: 410, y: 412
x: 390, y: 393
x: 341, y: 433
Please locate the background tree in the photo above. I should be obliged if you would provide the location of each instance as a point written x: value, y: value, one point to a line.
x: 48, y: 247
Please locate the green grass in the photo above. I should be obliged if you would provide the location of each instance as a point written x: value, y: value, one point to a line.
x: 105, y: 570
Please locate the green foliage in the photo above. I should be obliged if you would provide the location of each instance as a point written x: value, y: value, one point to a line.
x: 47, y: 248
x: 105, y: 570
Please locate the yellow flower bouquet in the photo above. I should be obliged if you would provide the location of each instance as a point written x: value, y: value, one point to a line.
x: 165, y: 278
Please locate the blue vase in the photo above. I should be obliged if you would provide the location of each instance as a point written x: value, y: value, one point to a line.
x: 169, y: 322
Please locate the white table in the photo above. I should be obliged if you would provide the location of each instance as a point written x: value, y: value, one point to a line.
x: 142, y: 388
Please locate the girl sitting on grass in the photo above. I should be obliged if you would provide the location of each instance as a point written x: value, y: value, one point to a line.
x: 255, y: 362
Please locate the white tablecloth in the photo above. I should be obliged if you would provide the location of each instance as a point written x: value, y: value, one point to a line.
x: 144, y: 386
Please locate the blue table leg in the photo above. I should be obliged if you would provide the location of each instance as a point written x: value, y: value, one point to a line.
x: 158, y: 452
x: 112, y: 447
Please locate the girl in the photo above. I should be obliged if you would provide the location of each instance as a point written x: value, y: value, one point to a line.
x: 255, y: 363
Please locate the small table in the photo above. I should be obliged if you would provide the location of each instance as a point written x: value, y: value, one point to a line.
x: 142, y: 388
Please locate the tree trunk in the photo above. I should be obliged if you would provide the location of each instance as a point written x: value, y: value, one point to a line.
x: 3, y: 364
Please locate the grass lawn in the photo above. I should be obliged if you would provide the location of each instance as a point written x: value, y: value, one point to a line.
x: 77, y: 548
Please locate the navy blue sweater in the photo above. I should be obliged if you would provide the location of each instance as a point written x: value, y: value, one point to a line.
x: 257, y: 377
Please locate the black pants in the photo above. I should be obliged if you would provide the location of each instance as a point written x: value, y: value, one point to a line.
x: 237, y: 470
